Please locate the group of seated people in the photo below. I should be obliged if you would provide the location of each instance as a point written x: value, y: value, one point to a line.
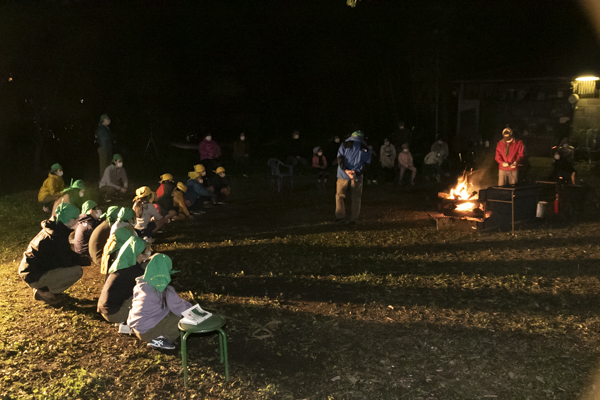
x: 136, y: 295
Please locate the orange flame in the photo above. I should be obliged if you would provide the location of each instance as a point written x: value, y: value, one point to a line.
x: 463, y: 191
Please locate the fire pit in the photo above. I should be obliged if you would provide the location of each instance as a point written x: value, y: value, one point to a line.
x: 462, y: 201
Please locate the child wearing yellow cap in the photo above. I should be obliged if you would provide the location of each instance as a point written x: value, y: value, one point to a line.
x: 220, y: 186
x: 148, y: 219
x: 179, y: 203
x: 52, y: 187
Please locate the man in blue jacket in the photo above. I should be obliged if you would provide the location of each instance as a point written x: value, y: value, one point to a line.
x: 353, y: 157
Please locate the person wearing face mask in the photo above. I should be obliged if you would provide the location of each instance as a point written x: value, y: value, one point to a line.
x: 52, y: 187
x: 101, y: 234
x: 49, y: 266
x: 387, y: 159
x: 115, y: 300
x: 105, y: 142
x: 241, y: 155
x: 330, y: 150
x: 296, y: 153
x: 196, y: 193
x: 210, y: 152
x: 563, y: 169
x: 319, y: 165
x: 88, y: 220
x: 179, y: 203
x: 406, y: 162
x: 353, y: 158
x: 148, y: 219
x: 73, y: 195
x: 219, y: 186
x: 114, y: 181
x: 509, y: 152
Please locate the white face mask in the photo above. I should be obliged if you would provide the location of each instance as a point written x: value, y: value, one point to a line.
x: 81, y: 193
x: 320, y: 153
x: 405, y: 150
x: 337, y: 140
x: 242, y: 137
x: 59, y: 172
x: 296, y: 137
x: 119, y: 164
x: 209, y: 138
x: 557, y: 157
x: 222, y: 174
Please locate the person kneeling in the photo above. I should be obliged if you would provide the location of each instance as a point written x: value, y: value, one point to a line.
x: 115, y: 300
x: 156, y: 307
x: 49, y: 266
x: 87, y: 222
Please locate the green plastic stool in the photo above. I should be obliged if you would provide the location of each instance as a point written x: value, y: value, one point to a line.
x: 214, y: 323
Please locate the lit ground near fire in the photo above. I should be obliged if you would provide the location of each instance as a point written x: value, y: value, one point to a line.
x: 390, y: 309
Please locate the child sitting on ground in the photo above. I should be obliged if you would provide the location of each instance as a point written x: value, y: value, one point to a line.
x: 220, y: 186
x: 72, y: 195
x: 88, y: 220
x: 164, y: 200
x: 156, y: 307
x: 196, y: 192
x: 148, y: 219
x: 49, y: 266
x: 319, y: 164
x: 101, y: 234
x: 51, y: 188
x: 114, y: 180
x: 120, y: 232
x: 115, y: 300
x: 179, y: 202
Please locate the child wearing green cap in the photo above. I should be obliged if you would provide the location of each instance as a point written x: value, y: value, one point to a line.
x: 52, y: 187
x: 49, y: 266
x: 71, y: 195
x: 115, y: 300
x: 114, y: 180
x: 101, y: 234
x: 88, y: 220
x: 156, y: 307
x: 120, y: 231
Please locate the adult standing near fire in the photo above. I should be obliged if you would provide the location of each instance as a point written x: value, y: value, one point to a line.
x: 105, y: 142
x: 353, y: 157
x: 509, y: 152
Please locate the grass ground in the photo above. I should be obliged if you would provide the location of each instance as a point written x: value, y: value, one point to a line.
x: 390, y: 309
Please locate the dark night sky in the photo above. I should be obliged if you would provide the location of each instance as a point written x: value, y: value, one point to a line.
x: 269, y: 67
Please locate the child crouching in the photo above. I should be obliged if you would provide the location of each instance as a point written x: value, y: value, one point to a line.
x: 156, y: 308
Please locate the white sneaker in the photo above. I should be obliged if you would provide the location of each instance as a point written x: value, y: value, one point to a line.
x: 124, y: 329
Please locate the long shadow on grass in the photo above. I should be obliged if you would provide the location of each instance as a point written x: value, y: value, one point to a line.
x: 488, y: 299
x: 275, y: 258
x: 302, y: 353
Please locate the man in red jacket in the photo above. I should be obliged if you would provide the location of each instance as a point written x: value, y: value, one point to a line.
x: 509, y: 152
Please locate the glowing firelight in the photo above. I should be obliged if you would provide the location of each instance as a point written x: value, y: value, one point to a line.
x: 465, y: 207
x: 463, y: 190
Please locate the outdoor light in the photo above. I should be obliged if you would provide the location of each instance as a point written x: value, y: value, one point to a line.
x: 587, y: 78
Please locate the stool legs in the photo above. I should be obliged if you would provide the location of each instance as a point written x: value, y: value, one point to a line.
x: 223, y: 352
x: 184, y: 355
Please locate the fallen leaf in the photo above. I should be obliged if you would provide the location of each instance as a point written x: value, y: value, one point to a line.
x: 337, y: 378
x: 539, y: 378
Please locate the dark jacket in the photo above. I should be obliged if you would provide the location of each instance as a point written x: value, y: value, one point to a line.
x: 104, y: 136
x: 118, y: 288
x: 166, y: 200
x: 49, y: 250
x: 97, y: 240
x: 85, y: 227
x: 240, y: 148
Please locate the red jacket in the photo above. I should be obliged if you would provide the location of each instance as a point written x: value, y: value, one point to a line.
x: 515, y: 153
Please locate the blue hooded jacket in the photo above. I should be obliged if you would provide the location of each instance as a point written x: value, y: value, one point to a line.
x: 353, y: 154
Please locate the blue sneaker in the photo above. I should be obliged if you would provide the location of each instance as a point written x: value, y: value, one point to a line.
x: 162, y: 343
